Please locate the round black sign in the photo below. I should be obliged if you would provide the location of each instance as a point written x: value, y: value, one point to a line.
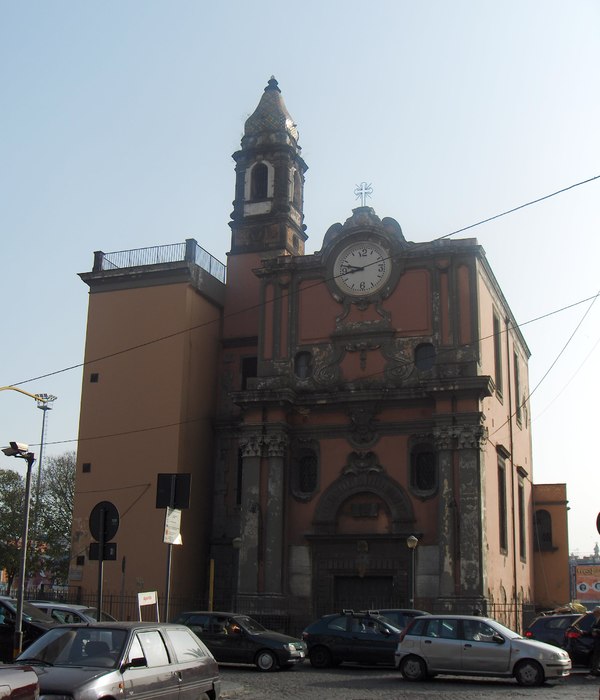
x: 104, y: 521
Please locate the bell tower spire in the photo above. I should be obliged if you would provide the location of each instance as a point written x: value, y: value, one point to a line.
x: 267, y: 212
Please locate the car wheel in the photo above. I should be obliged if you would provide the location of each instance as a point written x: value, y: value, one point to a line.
x: 265, y: 660
x: 413, y: 668
x: 320, y: 657
x: 529, y: 673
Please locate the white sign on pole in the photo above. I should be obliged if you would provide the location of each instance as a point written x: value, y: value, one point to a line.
x: 148, y: 598
x: 172, y: 526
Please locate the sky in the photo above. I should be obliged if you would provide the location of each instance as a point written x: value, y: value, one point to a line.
x: 118, y: 121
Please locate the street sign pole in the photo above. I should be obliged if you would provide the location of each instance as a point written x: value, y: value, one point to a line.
x: 168, y: 582
x: 102, y: 518
x: 169, y: 552
x: 104, y: 524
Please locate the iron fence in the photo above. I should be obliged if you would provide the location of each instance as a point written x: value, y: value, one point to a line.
x: 188, y: 251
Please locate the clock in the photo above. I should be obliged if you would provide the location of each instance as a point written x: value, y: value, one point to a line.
x: 362, y: 268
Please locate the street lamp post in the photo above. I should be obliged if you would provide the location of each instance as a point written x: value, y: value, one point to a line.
x: 21, y: 451
x: 44, y: 403
x: 411, y: 543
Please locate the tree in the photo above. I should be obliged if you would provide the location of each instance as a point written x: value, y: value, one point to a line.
x: 55, y: 515
x: 12, y: 499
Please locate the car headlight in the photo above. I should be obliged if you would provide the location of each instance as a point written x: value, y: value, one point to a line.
x: 289, y: 647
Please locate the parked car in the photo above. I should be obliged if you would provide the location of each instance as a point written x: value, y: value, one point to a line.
x: 578, y: 639
x: 400, y: 617
x: 34, y: 623
x: 101, y: 659
x: 551, y: 628
x: 360, y: 637
x: 239, y: 639
x: 469, y: 645
x: 18, y: 683
x: 68, y: 613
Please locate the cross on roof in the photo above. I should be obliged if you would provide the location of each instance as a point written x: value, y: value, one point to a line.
x: 363, y: 191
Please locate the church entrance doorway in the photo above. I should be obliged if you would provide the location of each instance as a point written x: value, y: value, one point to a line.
x: 363, y: 592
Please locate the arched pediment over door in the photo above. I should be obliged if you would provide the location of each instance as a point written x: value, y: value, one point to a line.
x: 377, y: 483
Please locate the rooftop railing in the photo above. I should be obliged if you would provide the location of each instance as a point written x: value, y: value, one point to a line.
x: 189, y: 251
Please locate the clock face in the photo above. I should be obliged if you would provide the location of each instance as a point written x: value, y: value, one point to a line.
x: 362, y: 268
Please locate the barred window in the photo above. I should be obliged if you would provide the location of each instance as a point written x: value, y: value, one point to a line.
x: 423, y: 471
x: 305, y: 471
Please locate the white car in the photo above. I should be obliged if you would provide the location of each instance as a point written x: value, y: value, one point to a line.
x: 68, y: 613
x: 466, y: 645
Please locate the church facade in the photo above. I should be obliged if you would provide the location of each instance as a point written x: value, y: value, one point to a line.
x: 332, y: 409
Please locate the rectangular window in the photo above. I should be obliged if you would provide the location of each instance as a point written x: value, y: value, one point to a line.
x: 522, y: 533
x: 517, y: 389
x: 497, y: 355
x: 502, y: 505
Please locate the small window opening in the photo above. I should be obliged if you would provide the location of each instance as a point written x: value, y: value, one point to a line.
x: 249, y: 370
x: 303, y: 365
x: 259, y: 182
x: 424, y: 357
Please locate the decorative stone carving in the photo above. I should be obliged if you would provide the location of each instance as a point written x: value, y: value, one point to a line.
x: 251, y: 445
x: 326, y: 368
x: 363, y: 426
x: 400, y: 360
x: 361, y: 462
x: 362, y: 347
x: 276, y: 444
x: 443, y: 437
x: 472, y: 437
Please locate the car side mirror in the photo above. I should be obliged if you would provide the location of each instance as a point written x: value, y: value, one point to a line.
x: 385, y: 631
x: 138, y: 662
x: 498, y: 638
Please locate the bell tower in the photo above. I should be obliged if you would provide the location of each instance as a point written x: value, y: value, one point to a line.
x: 267, y: 215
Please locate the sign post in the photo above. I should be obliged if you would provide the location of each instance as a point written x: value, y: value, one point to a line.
x: 172, y: 493
x: 104, y: 523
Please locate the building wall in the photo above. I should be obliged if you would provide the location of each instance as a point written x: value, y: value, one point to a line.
x: 551, y: 558
x: 150, y: 411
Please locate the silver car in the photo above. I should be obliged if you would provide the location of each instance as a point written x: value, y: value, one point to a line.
x: 67, y: 613
x: 123, y: 659
x: 467, y: 645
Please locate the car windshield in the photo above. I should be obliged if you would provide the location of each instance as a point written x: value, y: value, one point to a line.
x: 249, y: 624
x: 505, y: 631
x: 77, y: 646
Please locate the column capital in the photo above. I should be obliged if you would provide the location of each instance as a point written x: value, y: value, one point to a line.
x: 251, y: 445
x: 276, y: 444
x: 472, y: 437
x: 443, y: 437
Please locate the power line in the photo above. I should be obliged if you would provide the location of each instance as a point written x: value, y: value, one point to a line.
x: 319, y: 282
x: 368, y: 376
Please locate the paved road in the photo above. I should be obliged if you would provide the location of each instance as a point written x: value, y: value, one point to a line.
x: 360, y: 683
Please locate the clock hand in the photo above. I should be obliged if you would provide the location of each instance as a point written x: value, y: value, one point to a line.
x: 354, y: 268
